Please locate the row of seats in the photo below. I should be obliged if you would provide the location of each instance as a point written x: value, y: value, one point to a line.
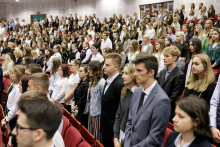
x: 74, y: 132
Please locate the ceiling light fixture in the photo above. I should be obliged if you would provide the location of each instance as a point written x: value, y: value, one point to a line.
x: 17, y: 0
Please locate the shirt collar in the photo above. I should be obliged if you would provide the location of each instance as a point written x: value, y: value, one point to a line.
x: 133, y: 88
x: 109, y: 81
x: 178, y: 140
x: 148, y: 90
x: 170, y: 70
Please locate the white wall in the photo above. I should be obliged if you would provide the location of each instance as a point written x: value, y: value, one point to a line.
x: 106, y: 8
x: 2, y: 10
x: 102, y: 8
x: 216, y: 4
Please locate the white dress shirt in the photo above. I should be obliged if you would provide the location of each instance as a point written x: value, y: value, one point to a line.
x: 48, y: 65
x: 130, y: 59
x: 73, y: 79
x: 148, y: 90
x: 98, y: 57
x: 151, y: 33
x: 109, y: 81
x: 57, y: 55
x: 12, y: 103
x: 60, y: 89
x: 177, y: 141
x: 107, y: 43
x: 53, y: 79
x: 161, y: 65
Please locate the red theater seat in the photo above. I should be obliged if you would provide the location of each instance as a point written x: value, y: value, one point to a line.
x: 168, y: 131
x: 72, y: 137
x: 84, y: 144
x: 65, y: 126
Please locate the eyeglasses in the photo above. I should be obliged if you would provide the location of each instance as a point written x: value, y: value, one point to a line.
x: 17, y: 126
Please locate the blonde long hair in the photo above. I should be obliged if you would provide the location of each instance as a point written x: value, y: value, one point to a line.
x: 131, y: 69
x: 6, y: 61
x: 208, y: 75
x: 200, y: 33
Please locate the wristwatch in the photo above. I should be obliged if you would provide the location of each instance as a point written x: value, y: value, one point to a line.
x: 65, y: 100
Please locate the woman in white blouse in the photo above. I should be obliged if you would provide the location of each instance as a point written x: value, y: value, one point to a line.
x: 134, y: 50
x: 47, y: 62
x: 6, y: 64
x: 72, y: 84
x: 146, y: 45
x: 55, y: 64
x: 97, y: 52
x: 158, y: 53
x: 91, y: 31
x: 61, y: 84
x: 14, y: 94
x: 151, y: 31
x: 56, y: 50
x: 142, y: 32
x: 176, y: 24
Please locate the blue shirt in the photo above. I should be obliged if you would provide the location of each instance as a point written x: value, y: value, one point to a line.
x: 168, y: 72
x: 172, y: 36
x: 13, y: 25
x: 6, y: 28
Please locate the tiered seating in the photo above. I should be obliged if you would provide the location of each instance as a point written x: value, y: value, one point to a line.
x: 6, y: 84
x: 88, y: 136
x: 65, y: 126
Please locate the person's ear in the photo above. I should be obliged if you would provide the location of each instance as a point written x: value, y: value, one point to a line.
x: 38, y: 135
x: 196, y: 122
x: 175, y: 58
x: 39, y: 88
x: 152, y: 72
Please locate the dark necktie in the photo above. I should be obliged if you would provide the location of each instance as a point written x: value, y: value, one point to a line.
x: 141, y: 100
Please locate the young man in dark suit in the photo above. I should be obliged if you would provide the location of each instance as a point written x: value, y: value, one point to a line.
x: 111, y: 97
x: 150, y: 107
x: 172, y: 79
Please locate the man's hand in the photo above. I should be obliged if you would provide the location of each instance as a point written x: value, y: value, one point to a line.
x: 116, y: 142
x: 215, y: 134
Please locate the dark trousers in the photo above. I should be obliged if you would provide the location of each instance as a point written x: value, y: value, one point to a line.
x: 107, y: 142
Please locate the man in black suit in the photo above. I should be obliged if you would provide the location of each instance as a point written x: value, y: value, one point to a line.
x: 111, y: 97
x: 116, y: 39
x: 91, y: 21
x: 172, y: 79
x: 69, y: 27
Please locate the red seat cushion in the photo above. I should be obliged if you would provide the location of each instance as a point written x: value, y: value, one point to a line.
x: 84, y: 144
x: 65, y: 126
x: 72, y: 137
x: 168, y: 131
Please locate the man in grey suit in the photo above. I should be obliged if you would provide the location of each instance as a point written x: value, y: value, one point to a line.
x: 150, y: 107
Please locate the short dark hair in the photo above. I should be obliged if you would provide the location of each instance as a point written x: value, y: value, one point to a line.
x: 196, y: 107
x: 150, y: 62
x: 106, y: 34
x: 41, y: 113
x: 34, y: 68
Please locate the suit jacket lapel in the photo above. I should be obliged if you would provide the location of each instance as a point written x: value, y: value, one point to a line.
x: 109, y: 88
x: 163, y: 73
x: 146, y: 103
x: 170, y: 75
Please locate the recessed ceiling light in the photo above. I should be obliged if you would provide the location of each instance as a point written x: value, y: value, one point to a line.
x: 17, y: 0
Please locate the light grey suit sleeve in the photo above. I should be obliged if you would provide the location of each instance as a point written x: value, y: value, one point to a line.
x: 180, y: 63
x: 150, y: 49
x: 128, y: 127
x: 123, y: 56
x: 159, y: 121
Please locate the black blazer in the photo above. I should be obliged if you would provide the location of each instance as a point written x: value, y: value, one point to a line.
x: 197, y: 142
x: 91, y: 21
x: 134, y: 37
x: 18, y: 61
x: 40, y: 61
x: 113, y: 43
x: 184, y: 52
x: 79, y: 47
x: 109, y: 106
x: 206, y: 95
x: 2, y: 87
x: 173, y: 86
x: 70, y: 29
x: 137, y: 23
